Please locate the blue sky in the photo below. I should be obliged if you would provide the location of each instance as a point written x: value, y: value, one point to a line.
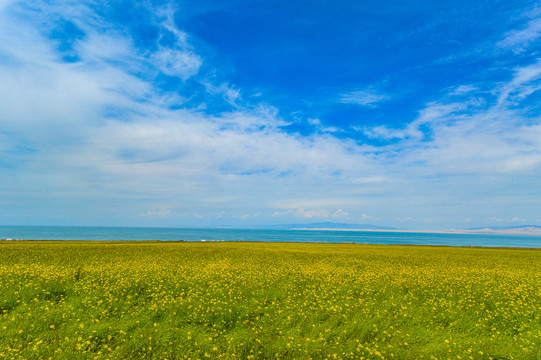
x: 418, y: 115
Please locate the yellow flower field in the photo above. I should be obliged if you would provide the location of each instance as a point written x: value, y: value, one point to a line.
x: 159, y: 300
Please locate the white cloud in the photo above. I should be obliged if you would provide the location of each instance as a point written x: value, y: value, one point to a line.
x: 431, y: 115
x: 178, y: 59
x: 363, y: 97
x: 469, y: 136
x: 365, y: 217
x: 522, y: 85
x: 312, y: 214
x: 158, y: 213
x: 340, y: 214
x: 320, y: 127
x: 173, y: 62
x: 230, y: 93
x: 166, y: 16
x: 462, y: 89
x: 519, y: 40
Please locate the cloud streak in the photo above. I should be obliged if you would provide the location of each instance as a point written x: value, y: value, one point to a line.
x: 519, y: 40
x: 368, y: 98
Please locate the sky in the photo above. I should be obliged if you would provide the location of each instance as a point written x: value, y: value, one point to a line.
x: 408, y: 114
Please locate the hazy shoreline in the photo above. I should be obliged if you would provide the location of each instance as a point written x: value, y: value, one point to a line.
x: 484, y: 231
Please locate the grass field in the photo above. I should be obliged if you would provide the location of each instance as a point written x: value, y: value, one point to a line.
x: 129, y: 300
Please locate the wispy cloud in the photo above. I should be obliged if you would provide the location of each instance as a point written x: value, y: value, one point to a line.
x: 320, y: 127
x: 523, y: 84
x: 462, y: 89
x: 430, y: 116
x: 230, y: 93
x: 480, y: 133
x: 365, y: 217
x: 340, y: 214
x: 312, y: 214
x: 160, y: 213
x: 175, y: 62
x: 519, y: 40
x: 370, y: 98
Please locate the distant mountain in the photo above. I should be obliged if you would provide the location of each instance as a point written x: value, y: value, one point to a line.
x: 503, y: 230
x: 326, y: 225
x: 497, y: 228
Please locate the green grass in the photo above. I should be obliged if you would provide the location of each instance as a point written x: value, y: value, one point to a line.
x: 133, y: 300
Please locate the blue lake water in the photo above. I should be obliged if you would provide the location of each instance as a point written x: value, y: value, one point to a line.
x: 212, y: 234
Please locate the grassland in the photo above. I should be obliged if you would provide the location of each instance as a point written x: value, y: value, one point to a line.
x: 127, y: 300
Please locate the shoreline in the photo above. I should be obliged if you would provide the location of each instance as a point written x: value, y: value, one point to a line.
x: 486, y: 231
x: 502, y: 247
